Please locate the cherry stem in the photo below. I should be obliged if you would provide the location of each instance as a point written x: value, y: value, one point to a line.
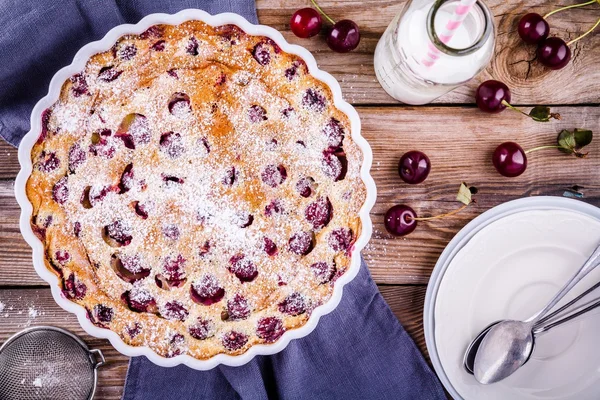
x: 324, y: 13
x: 585, y: 34
x: 571, y: 6
x: 543, y: 148
x: 507, y: 104
x: 441, y: 215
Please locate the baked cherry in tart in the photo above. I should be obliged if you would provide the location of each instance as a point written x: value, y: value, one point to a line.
x: 202, y: 330
x: 207, y: 291
x: 196, y: 190
x: 294, y: 304
x: 323, y: 271
x: 270, y: 329
x: 73, y: 288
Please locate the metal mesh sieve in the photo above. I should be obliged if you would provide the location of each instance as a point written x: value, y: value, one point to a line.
x: 47, y: 363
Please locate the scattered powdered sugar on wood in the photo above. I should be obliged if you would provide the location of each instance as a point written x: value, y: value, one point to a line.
x: 33, y: 313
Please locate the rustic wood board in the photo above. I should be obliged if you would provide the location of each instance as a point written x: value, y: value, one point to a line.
x: 459, y: 142
x: 530, y: 82
x: 456, y: 136
x: 21, y: 308
x: 9, y: 163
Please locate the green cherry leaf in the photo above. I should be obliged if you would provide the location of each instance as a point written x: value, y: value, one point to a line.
x: 566, y: 141
x: 542, y: 114
x: 583, y: 137
x: 464, y: 194
x: 573, y: 142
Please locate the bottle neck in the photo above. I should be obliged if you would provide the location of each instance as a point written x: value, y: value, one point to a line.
x: 445, y: 19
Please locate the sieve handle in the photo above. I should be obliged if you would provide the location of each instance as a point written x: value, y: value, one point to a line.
x: 98, y: 358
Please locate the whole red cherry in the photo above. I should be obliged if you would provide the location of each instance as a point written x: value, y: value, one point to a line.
x: 306, y: 23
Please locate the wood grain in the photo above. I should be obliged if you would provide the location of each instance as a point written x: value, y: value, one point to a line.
x: 459, y: 142
x: 457, y: 137
x: 529, y: 81
x: 19, y: 306
x: 9, y: 161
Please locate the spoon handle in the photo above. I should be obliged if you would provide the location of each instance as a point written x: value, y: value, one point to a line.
x: 574, y: 314
x: 566, y: 306
x: 592, y: 262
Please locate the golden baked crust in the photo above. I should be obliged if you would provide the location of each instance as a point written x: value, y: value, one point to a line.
x: 196, y: 190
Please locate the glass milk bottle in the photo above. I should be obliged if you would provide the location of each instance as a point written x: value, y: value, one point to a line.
x: 432, y: 47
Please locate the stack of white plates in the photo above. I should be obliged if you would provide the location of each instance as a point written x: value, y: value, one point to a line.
x: 507, y: 264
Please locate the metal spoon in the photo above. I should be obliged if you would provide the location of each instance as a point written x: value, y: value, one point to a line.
x: 509, y: 343
x: 578, y: 311
x: 469, y: 357
x: 583, y: 309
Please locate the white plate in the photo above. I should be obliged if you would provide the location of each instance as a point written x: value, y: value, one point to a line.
x: 76, y: 66
x: 507, y: 263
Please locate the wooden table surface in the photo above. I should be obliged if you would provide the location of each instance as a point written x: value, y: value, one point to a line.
x: 458, y: 138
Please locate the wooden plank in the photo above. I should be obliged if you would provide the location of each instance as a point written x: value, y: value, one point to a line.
x: 21, y: 308
x: 459, y: 142
x: 530, y: 82
x: 9, y: 162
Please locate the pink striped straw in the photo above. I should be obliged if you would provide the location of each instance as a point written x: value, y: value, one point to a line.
x: 460, y: 13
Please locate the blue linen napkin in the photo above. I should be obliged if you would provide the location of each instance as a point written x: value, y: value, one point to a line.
x: 359, y: 351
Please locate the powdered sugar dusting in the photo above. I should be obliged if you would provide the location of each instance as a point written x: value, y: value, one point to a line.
x: 197, y: 154
x: 46, y: 379
x: 33, y: 313
x: 140, y: 295
x: 26, y: 315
